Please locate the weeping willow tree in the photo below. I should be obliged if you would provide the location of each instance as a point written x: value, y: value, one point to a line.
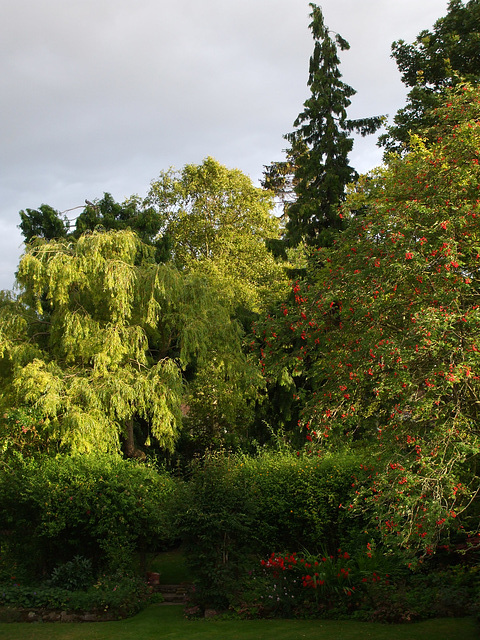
x: 100, y: 337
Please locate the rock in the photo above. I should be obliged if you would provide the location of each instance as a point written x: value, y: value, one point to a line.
x: 51, y: 617
x: 67, y: 617
x: 89, y: 617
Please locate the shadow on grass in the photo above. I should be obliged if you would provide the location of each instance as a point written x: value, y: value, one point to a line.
x: 170, y: 565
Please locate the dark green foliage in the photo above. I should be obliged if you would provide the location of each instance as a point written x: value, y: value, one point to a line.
x: 74, y: 575
x: 320, y: 145
x: 437, y: 59
x: 121, y: 593
x: 102, y: 214
x: 366, y: 586
x: 102, y: 508
x: 219, y: 528
x: 43, y: 222
x: 133, y: 214
x: 240, y: 508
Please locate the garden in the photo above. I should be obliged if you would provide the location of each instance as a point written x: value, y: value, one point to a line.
x: 281, y: 419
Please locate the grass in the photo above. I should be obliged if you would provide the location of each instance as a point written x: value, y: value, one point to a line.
x: 170, y: 565
x: 168, y: 622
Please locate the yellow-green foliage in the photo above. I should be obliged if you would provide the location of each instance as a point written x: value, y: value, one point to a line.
x: 218, y: 224
x: 99, y: 336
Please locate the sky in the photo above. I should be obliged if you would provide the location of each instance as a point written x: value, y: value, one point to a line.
x: 101, y: 95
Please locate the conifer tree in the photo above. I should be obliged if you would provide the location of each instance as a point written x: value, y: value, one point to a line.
x: 320, y: 144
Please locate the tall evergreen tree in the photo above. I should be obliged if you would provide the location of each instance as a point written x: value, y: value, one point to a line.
x: 320, y: 144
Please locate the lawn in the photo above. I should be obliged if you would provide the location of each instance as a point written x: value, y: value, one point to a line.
x: 170, y: 565
x: 158, y: 622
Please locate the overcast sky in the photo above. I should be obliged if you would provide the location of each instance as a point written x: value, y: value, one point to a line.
x: 101, y: 95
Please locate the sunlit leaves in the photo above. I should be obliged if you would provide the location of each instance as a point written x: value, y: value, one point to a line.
x: 383, y: 333
x: 218, y: 223
x: 105, y: 335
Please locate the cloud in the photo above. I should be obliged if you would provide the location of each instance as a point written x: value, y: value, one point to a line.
x: 100, y: 95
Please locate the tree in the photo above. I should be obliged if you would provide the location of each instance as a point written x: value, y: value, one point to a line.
x: 218, y: 224
x: 385, y: 332
x: 134, y: 214
x: 100, y: 338
x: 102, y: 214
x: 320, y: 145
x: 437, y: 59
x: 44, y: 222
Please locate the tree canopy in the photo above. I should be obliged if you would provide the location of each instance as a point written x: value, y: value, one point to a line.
x: 100, y: 336
x: 383, y: 333
x: 44, y: 222
x: 437, y: 59
x: 319, y: 145
x: 217, y: 223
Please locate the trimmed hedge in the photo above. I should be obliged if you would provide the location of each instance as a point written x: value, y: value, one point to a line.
x: 99, y: 507
x: 239, y: 509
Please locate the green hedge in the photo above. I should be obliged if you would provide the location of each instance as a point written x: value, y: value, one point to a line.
x: 99, y: 507
x: 238, y: 509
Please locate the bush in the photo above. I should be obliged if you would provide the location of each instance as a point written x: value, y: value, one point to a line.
x: 303, y: 500
x: 75, y: 575
x: 238, y: 508
x: 99, y: 507
x: 368, y: 585
x: 219, y: 524
x: 121, y: 593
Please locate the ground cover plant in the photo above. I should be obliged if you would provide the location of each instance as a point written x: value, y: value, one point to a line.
x: 117, y: 595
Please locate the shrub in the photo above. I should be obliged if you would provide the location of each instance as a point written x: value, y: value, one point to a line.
x: 303, y: 500
x: 98, y: 507
x: 121, y: 593
x: 239, y: 508
x: 219, y: 524
x: 368, y: 585
x: 75, y: 575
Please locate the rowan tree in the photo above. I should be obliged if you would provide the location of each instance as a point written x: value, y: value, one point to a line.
x: 383, y: 333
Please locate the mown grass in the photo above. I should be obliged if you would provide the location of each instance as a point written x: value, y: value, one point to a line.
x: 168, y: 622
x: 170, y: 565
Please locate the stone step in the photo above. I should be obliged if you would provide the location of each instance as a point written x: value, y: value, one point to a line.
x: 174, y: 593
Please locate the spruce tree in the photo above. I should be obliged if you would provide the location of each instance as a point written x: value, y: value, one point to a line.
x: 321, y: 143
